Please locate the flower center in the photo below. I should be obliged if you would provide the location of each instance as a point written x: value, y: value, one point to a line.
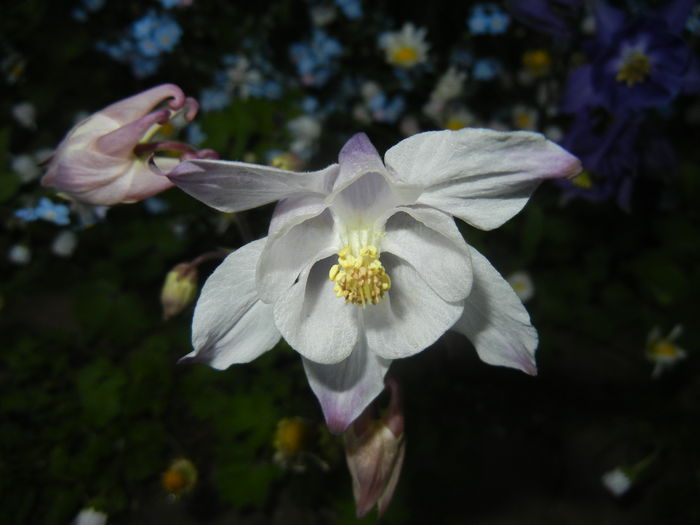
x: 633, y: 69
x: 664, y: 349
x: 405, y: 56
x: 359, y: 277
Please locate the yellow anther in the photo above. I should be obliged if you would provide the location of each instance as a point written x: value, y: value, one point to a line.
x: 359, y: 279
x: 634, y: 69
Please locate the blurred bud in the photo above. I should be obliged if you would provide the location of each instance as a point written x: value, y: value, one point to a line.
x: 180, y: 477
x: 287, y: 161
x: 374, y: 449
x: 617, y: 481
x: 90, y: 516
x: 179, y: 289
x: 293, y: 442
x: 104, y: 160
x: 25, y: 114
x: 64, y: 243
x: 19, y: 254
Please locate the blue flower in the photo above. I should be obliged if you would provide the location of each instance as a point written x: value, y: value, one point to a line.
x: 213, y: 99
x: 45, y: 210
x: 315, y: 61
x: 352, y: 9
x: 487, y: 19
x: 485, y: 69
x: 384, y: 109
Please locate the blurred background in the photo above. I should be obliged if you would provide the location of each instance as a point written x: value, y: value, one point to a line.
x: 95, y: 411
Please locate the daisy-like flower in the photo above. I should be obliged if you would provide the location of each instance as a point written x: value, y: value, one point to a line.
x: 405, y: 49
x: 363, y: 262
x: 663, y: 350
x: 522, y: 285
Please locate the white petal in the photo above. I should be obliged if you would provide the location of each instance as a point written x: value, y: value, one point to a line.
x: 314, y: 321
x: 410, y: 317
x: 482, y: 176
x: 293, y: 210
x: 434, y: 247
x: 289, y: 252
x: 345, y: 389
x: 496, y: 321
x: 236, y: 186
x: 231, y: 325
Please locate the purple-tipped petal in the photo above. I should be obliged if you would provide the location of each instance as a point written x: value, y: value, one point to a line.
x: 482, y: 176
x: 357, y: 157
x: 138, y: 105
x: 345, y: 389
x: 496, y: 321
x: 231, y: 325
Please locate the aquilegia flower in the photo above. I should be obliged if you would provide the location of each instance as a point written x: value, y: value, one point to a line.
x: 104, y: 159
x: 364, y: 264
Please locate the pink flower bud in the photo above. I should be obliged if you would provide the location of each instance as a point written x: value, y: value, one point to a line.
x: 374, y: 449
x: 104, y: 160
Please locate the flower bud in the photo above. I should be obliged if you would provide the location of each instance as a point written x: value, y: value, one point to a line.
x: 179, y: 289
x: 374, y: 450
x: 104, y: 160
x: 180, y: 477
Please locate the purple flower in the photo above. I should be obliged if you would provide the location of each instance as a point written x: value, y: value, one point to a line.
x: 555, y: 17
x: 636, y: 62
x: 615, y: 151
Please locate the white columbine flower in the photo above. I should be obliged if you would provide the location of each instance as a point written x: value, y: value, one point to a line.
x: 363, y: 262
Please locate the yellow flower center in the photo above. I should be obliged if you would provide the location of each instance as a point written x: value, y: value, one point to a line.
x: 537, y: 62
x: 634, y: 69
x: 455, y: 123
x: 405, y: 56
x: 359, y: 278
x: 664, y: 349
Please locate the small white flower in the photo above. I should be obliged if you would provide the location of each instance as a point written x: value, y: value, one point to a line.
x: 90, y: 516
x: 522, y: 284
x: 617, y: 482
x: 450, y: 85
x: 64, y: 243
x: 406, y: 48
x: 363, y: 262
x: 663, y: 351
x: 25, y: 114
x: 19, y: 254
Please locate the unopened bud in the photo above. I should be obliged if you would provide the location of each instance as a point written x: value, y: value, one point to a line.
x: 180, y: 477
x: 374, y: 449
x: 179, y: 289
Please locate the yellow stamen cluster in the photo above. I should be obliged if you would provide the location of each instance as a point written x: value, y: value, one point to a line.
x: 664, y: 349
x: 361, y: 278
x: 634, y: 69
x: 405, y: 56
